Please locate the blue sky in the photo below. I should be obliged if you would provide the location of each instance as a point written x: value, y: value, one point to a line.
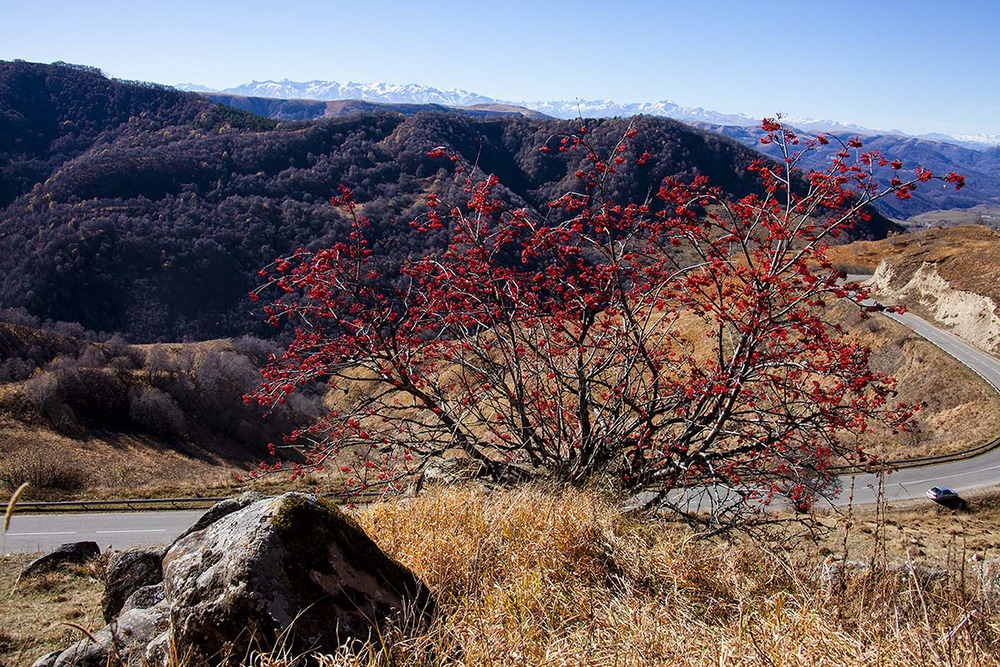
x: 917, y: 66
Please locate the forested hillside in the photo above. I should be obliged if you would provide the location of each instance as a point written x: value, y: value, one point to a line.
x: 52, y: 114
x: 144, y: 211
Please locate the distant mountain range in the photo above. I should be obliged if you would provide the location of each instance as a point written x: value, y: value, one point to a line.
x: 387, y: 93
x: 980, y: 166
x: 978, y: 161
x: 147, y: 211
x: 143, y: 210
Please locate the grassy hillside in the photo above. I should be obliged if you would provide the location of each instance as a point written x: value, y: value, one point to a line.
x: 87, y: 415
x: 946, y: 275
x: 968, y: 256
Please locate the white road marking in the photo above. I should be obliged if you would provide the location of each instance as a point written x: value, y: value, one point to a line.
x: 121, y: 532
x: 960, y: 474
x: 37, y: 534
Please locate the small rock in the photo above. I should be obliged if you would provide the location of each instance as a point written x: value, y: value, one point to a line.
x: 833, y: 569
x: 123, y: 642
x: 922, y: 573
x: 144, y: 598
x: 47, y: 660
x: 76, y: 553
x: 988, y: 571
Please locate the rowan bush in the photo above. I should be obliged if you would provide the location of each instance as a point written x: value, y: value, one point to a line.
x: 674, y: 341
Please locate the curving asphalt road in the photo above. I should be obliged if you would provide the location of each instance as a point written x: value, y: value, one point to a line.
x: 121, y: 530
x: 975, y: 473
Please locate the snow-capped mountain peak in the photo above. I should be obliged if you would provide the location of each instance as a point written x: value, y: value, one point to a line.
x: 391, y: 93
x: 388, y: 93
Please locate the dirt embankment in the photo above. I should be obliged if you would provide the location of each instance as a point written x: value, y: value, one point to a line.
x: 946, y: 275
x: 970, y: 316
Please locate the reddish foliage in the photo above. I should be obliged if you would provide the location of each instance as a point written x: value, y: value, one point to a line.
x: 563, y: 346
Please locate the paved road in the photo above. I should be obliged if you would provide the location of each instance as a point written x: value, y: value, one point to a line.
x: 908, y: 483
x: 975, y: 473
x: 979, y: 472
x: 987, y: 366
x: 912, y: 483
x: 864, y: 489
x: 34, y: 533
x: 31, y: 533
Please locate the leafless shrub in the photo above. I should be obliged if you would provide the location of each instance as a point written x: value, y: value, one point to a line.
x: 43, y: 391
x: 42, y: 472
x: 15, y: 369
x: 155, y: 412
x: 256, y: 348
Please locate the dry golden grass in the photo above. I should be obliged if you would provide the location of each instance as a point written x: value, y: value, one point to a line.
x: 34, y: 611
x: 532, y: 577
x: 108, y: 465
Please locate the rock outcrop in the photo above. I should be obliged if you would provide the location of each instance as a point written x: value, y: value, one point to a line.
x: 970, y: 316
x: 127, y: 572
x: 292, y: 572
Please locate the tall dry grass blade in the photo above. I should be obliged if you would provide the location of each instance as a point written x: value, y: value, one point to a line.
x: 10, y: 506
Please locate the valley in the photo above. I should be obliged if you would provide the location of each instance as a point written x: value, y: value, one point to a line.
x: 137, y: 223
x: 143, y: 215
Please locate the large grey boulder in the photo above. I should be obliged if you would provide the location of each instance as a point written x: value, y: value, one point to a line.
x: 293, y: 570
x: 223, y: 508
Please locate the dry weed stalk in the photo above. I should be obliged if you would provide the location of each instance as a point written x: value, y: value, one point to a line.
x: 11, y: 505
